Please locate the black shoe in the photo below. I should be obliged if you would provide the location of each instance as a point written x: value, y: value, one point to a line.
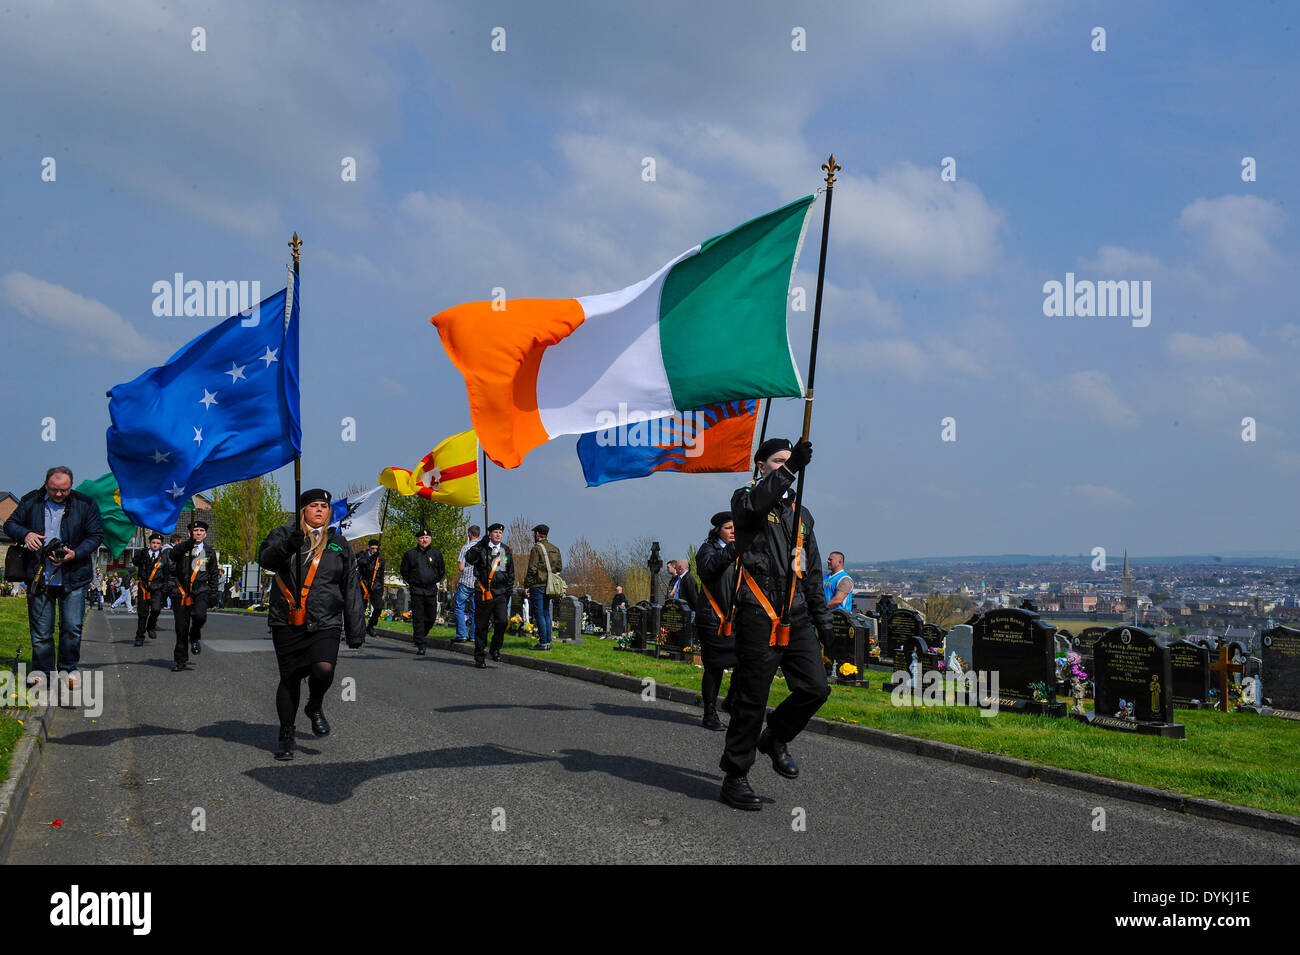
x: 319, y: 725
x: 419, y: 651
x: 139, y: 641
x: 480, y: 664
x: 769, y: 745
x: 711, y: 721
x: 496, y: 656
x: 285, y: 750
x: 370, y: 632
x: 737, y: 794
x: 153, y: 634
x: 195, y: 647
x: 178, y: 667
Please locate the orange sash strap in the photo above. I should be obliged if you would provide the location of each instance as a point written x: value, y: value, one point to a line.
x: 186, y: 599
x: 148, y: 584
x: 780, y: 636
x: 365, y: 591
x: 298, y: 614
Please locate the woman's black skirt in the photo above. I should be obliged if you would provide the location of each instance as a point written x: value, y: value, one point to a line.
x: 297, y: 648
x: 716, y: 651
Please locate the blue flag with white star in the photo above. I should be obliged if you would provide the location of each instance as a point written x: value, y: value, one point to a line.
x: 222, y: 409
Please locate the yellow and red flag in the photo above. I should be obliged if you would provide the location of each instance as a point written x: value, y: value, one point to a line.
x: 447, y: 474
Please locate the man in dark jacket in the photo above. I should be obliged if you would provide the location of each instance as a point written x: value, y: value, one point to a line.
x: 371, y: 568
x: 194, y: 566
x: 51, y: 512
x: 681, y: 585
x: 153, y: 570
x: 543, y: 560
x: 422, y: 568
x: 780, y: 567
x: 494, y: 579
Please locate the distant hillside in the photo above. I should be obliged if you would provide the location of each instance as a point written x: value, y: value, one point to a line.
x: 1238, y: 558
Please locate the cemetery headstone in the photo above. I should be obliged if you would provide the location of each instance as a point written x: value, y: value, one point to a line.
x: 850, y: 644
x: 958, y: 640
x: 933, y: 635
x: 618, y: 621
x: 675, y: 629
x: 1280, y: 671
x: 567, y: 613
x: 1191, y: 674
x: 596, y: 616
x: 900, y: 625
x: 1083, y: 642
x: 636, y: 624
x: 915, y: 657
x: 1019, y: 646
x: 1133, y: 677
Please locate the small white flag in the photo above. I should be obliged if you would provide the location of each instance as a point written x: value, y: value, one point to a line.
x: 362, y: 515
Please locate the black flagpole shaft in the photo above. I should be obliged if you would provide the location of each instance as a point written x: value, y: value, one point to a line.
x: 295, y: 244
x: 830, y: 166
x: 485, y: 496
x: 762, y: 435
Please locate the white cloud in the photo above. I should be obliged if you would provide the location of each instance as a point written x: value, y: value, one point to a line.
x: 890, y: 357
x: 1114, y: 261
x: 1222, y: 346
x: 88, y: 326
x: 917, y: 223
x: 1235, y: 231
x: 1093, y: 389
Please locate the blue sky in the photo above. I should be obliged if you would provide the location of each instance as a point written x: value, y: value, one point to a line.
x: 522, y: 169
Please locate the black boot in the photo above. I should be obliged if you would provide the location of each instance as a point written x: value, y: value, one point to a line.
x: 737, y: 794
x: 711, y: 721
x: 769, y: 745
x: 286, y: 743
x: 139, y: 640
x: 319, y: 725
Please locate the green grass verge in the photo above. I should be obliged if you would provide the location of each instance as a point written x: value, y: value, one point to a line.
x: 15, y: 645
x: 1240, y: 758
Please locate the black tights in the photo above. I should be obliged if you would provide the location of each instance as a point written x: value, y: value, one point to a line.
x: 289, y: 692
x: 710, y: 683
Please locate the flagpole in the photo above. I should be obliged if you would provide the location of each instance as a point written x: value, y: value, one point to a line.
x: 762, y: 435
x: 485, y: 498
x: 295, y: 245
x: 830, y: 167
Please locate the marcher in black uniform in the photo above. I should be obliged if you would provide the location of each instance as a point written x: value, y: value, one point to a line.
x: 494, y: 579
x: 153, y: 570
x: 422, y: 568
x: 371, y: 568
x: 766, y: 534
x: 194, y: 570
x: 317, y: 563
x: 716, y: 562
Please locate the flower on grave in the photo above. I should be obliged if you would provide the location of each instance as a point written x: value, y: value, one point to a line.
x: 848, y: 669
x: 940, y: 665
x: 1040, y: 692
x: 875, y: 652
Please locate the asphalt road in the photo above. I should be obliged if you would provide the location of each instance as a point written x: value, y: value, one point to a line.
x: 438, y: 762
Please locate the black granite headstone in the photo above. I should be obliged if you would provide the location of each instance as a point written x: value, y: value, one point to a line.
x: 1020, y: 647
x: 596, y: 617
x: 850, y: 643
x: 1281, y: 667
x: 901, y: 624
x: 1191, y: 673
x: 1132, y: 667
x: 636, y: 624
x: 618, y: 621
x: 675, y: 629
x: 566, y: 618
x: 933, y: 635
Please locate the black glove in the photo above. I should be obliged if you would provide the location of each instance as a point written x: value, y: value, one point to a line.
x: 354, y: 643
x: 826, y: 635
x: 296, y: 540
x: 800, y: 455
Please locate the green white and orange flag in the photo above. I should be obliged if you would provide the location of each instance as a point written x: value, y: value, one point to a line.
x: 447, y: 474
x: 706, y: 328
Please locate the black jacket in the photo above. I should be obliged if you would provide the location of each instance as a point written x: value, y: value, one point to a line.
x: 423, y: 569
x: 334, y: 600
x: 82, y: 530
x: 371, y: 570
x: 716, y: 563
x: 207, y: 578
x: 688, y: 590
x: 765, y: 534
x: 498, y: 583
x: 161, y: 569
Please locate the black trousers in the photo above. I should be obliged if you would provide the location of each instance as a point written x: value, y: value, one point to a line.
x: 375, y: 602
x: 424, y: 611
x: 189, y: 625
x: 494, y: 612
x: 756, y: 666
x: 147, y: 613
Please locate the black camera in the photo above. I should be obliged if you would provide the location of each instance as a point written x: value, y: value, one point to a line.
x: 52, y: 548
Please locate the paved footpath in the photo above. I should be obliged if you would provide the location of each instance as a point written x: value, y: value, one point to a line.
x: 433, y: 752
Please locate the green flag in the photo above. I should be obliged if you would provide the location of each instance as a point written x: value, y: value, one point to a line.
x: 118, y: 528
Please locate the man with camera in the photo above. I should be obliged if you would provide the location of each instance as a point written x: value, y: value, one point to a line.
x: 60, y: 530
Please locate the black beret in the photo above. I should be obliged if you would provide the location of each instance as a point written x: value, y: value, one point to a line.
x: 542, y: 529
x: 720, y: 518
x: 155, y: 536
x: 424, y: 532
x: 373, y: 542
x: 496, y: 527
x: 312, y: 496
x: 770, y: 447
x: 202, y: 524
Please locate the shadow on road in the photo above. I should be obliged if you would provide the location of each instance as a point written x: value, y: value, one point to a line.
x: 547, y: 707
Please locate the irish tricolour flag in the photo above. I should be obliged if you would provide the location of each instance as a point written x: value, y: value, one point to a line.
x: 706, y: 328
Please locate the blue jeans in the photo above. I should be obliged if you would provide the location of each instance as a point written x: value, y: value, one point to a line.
x: 464, y: 610
x: 541, y: 611
x: 40, y: 619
